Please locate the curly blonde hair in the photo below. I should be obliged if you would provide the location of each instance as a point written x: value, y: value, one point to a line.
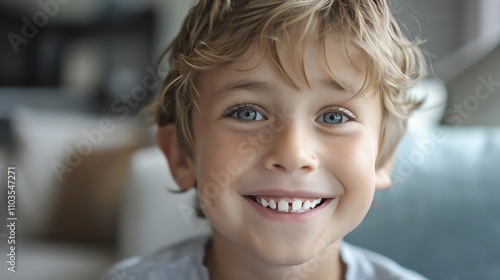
x: 218, y: 32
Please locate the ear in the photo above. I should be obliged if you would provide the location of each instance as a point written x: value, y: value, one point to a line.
x: 181, y: 165
x: 383, y: 174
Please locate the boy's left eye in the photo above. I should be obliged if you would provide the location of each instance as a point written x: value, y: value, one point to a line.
x: 247, y: 114
x: 333, y: 117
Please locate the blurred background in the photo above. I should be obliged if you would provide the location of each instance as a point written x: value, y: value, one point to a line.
x: 74, y: 76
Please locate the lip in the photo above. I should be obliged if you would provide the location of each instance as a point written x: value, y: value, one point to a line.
x: 291, y: 217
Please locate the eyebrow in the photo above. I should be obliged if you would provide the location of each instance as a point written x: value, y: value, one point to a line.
x: 332, y: 84
x: 244, y: 84
x: 261, y: 86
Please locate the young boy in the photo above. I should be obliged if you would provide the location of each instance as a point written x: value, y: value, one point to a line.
x: 285, y: 116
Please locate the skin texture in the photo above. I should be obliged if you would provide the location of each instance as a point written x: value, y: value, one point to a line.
x: 287, y: 145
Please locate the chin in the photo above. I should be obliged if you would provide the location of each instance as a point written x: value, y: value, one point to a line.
x: 285, y: 255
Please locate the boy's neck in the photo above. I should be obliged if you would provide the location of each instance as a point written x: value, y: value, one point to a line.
x: 225, y: 261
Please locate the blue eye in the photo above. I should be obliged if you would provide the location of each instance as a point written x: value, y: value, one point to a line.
x: 247, y: 114
x: 333, y: 118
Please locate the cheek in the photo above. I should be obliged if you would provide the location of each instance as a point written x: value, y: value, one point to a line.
x: 354, y: 156
x: 219, y: 166
x: 218, y: 163
x: 214, y: 166
x: 353, y: 164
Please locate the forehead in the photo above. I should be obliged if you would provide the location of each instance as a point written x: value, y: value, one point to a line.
x: 330, y: 62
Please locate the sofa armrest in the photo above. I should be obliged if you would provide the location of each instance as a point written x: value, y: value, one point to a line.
x: 441, y: 218
x: 152, y: 216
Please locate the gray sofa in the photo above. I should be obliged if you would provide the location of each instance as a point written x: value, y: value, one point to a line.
x: 441, y: 219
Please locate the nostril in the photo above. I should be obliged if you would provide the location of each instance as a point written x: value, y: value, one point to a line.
x: 307, y: 168
x: 278, y: 166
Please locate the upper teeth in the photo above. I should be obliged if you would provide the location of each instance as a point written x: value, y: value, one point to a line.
x: 283, y: 205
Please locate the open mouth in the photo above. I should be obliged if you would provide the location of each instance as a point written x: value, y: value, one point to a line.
x: 288, y: 205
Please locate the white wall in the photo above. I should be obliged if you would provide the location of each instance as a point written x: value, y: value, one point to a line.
x: 170, y: 15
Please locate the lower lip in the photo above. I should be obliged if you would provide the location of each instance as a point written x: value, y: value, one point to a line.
x: 289, y: 217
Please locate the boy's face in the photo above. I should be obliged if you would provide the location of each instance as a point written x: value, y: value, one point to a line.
x: 256, y: 134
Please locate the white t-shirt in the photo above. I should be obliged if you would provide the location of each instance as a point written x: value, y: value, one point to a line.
x: 184, y: 261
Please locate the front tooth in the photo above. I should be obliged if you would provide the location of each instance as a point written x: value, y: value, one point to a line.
x: 272, y: 204
x: 264, y: 203
x: 307, y: 205
x: 313, y: 204
x: 283, y: 205
x: 296, y: 205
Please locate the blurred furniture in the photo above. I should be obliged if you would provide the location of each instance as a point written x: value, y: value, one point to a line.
x: 100, y: 50
x: 80, y: 66
x: 70, y: 171
x: 440, y: 219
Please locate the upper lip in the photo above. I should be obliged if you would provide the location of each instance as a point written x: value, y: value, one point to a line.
x: 289, y: 194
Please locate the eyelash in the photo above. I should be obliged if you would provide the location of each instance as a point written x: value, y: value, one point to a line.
x: 340, y: 110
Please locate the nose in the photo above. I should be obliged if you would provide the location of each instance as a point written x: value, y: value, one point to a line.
x: 290, y: 151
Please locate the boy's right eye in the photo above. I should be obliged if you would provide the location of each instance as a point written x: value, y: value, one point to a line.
x: 248, y: 115
x: 244, y: 112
